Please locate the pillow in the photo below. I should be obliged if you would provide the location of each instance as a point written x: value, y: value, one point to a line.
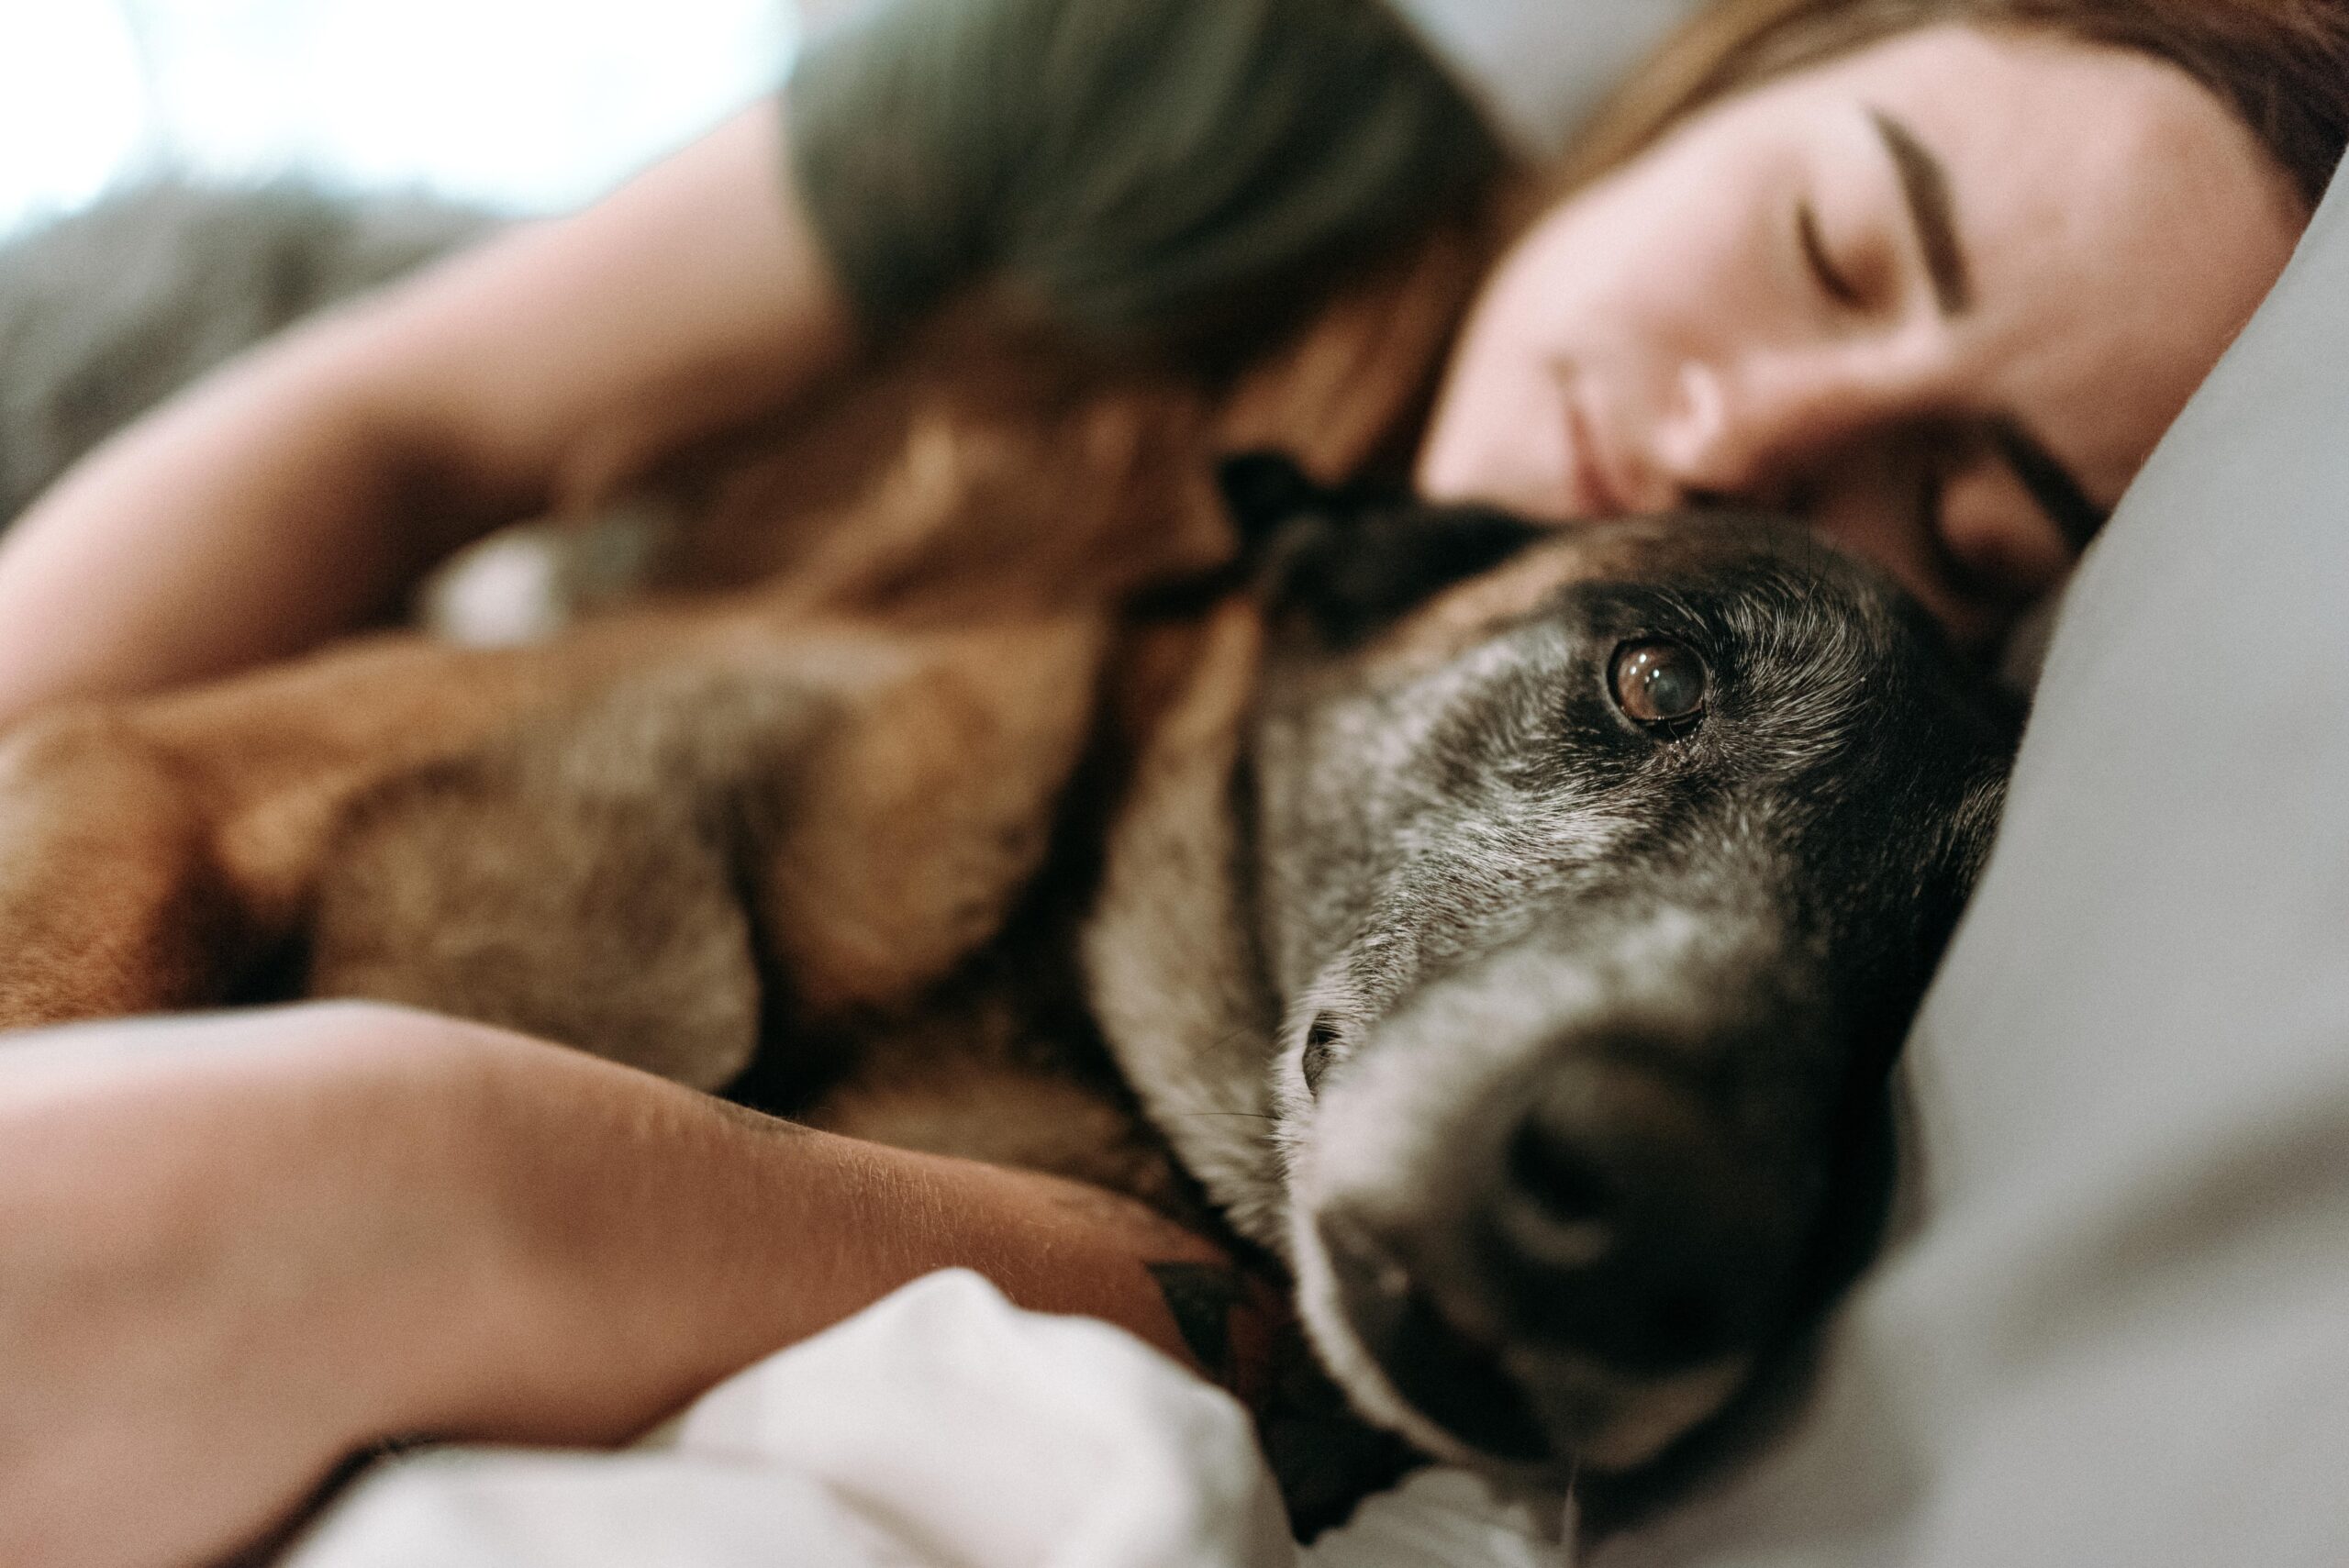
x: 2119, y: 1329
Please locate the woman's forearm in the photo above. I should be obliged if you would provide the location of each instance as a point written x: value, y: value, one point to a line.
x: 302, y: 489
x: 236, y: 1248
x: 253, y: 518
x: 215, y: 1237
x: 657, y: 1240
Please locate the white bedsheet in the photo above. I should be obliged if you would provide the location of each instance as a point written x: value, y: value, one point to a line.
x: 941, y: 1427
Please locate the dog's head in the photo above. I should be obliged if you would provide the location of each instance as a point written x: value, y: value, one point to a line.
x: 1598, y: 874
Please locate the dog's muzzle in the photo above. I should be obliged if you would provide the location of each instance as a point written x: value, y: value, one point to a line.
x: 1558, y: 1245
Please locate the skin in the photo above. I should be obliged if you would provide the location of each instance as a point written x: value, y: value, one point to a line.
x: 235, y: 1249
x: 300, y: 492
x: 166, y: 1207
x: 1841, y: 379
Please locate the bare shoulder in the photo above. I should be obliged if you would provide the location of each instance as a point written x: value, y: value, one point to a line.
x: 560, y: 358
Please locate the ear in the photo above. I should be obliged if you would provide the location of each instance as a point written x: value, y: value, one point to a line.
x: 1352, y: 561
x: 1264, y: 490
x: 1348, y: 579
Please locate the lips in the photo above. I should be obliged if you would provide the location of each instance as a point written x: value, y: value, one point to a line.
x: 1452, y: 1380
x: 1597, y: 496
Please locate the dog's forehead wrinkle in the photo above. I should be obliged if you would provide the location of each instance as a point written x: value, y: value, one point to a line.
x: 1378, y: 729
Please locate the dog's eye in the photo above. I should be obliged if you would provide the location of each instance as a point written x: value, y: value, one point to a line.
x: 1661, y: 684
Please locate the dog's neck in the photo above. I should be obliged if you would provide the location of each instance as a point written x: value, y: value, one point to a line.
x: 1169, y: 952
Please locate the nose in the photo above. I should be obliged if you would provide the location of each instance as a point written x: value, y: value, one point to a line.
x: 1625, y: 1224
x: 1613, y: 1233
x: 1745, y: 429
x: 1452, y: 1375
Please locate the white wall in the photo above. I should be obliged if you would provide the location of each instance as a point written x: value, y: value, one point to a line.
x: 529, y: 103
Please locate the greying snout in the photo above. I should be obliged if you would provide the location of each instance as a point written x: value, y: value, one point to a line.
x: 1598, y: 876
x: 1620, y: 1217
x: 1593, y: 1214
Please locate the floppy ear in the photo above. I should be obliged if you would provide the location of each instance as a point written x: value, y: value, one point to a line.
x: 1263, y: 490
x: 1349, y: 563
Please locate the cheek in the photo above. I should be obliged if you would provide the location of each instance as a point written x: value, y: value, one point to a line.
x: 1871, y: 503
x: 1682, y: 266
x: 1630, y: 276
x: 1498, y: 433
x: 1977, y: 551
x: 1998, y: 541
x: 1621, y: 266
x: 1581, y: 309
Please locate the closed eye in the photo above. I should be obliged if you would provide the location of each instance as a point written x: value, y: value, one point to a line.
x: 1953, y: 575
x: 1832, y: 278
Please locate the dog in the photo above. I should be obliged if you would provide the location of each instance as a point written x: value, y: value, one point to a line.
x: 1507, y: 931
x: 1593, y: 880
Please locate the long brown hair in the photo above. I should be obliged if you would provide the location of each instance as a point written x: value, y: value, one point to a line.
x: 962, y: 434
x: 2282, y: 65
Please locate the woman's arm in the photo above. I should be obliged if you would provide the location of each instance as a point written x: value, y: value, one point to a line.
x: 298, y: 491
x: 1167, y: 175
x: 235, y: 1249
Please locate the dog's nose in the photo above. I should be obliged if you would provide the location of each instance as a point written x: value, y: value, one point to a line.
x: 1625, y: 1225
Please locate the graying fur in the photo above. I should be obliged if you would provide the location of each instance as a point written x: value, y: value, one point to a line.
x: 1454, y: 876
x: 1490, y: 893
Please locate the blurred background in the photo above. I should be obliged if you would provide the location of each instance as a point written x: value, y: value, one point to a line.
x: 529, y: 106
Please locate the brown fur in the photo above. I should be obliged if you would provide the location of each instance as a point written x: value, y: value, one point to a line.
x: 911, y: 734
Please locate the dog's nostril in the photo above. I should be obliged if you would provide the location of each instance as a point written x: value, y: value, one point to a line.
x: 1622, y: 1227
x: 1688, y: 1317
x: 1558, y: 1176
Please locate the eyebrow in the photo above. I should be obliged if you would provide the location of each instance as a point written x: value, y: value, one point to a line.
x: 1924, y: 180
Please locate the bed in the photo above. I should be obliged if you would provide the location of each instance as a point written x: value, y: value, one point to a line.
x: 2114, y: 1327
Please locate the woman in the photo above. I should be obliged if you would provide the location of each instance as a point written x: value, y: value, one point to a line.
x: 1936, y: 273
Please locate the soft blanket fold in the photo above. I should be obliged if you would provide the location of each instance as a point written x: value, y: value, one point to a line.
x: 942, y: 1426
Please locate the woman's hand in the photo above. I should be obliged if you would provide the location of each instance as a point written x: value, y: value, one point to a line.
x: 236, y: 1248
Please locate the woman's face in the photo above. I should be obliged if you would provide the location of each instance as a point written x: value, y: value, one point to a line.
x: 1941, y: 296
